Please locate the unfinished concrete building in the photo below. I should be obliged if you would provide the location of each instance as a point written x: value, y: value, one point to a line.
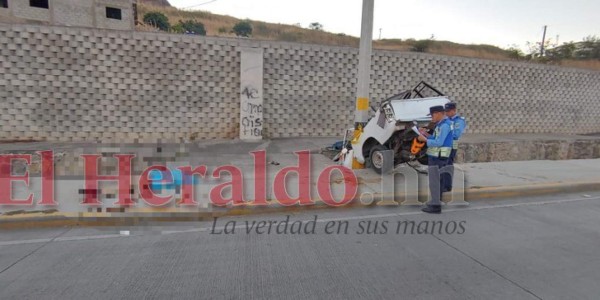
x: 108, y: 14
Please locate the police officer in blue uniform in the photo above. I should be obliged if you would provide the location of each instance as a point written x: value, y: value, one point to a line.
x: 459, y: 125
x: 439, y: 149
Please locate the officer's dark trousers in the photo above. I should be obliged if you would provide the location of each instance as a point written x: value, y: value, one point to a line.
x: 447, y: 177
x: 436, y: 166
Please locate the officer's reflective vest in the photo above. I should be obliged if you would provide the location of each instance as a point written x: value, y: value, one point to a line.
x: 446, y: 148
x: 455, y: 126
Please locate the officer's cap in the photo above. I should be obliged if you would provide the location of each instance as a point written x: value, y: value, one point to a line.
x: 450, y: 106
x: 435, y: 109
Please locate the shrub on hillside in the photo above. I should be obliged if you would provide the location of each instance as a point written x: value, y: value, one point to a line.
x: 158, y: 20
x: 589, y: 48
x: 316, y: 26
x: 243, y: 28
x: 193, y: 27
x: 421, y: 46
x: 515, y: 53
x: 566, y: 51
x: 178, y: 28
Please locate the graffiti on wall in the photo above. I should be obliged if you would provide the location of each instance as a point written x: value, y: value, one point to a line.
x: 251, y: 99
x: 252, y: 113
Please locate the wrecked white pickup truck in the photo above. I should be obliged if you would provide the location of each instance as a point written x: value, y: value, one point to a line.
x: 391, y: 129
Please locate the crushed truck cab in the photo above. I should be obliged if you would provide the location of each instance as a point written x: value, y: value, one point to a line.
x: 391, y: 128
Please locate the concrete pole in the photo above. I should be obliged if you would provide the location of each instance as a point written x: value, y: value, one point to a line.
x: 361, y: 115
x: 364, y: 64
x: 543, y: 41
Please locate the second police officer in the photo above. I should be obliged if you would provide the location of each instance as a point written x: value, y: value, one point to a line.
x: 458, y: 126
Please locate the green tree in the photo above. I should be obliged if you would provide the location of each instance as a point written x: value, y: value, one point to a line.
x: 243, y: 28
x: 589, y: 48
x: 158, y: 20
x: 565, y: 51
x: 421, y: 45
x: 515, y: 53
x: 316, y: 26
x: 193, y: 27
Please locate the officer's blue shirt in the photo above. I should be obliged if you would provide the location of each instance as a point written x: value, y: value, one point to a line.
x: 459, y: 125
x: 438, y: 141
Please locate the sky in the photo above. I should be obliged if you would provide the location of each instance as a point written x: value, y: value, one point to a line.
x: 502, y: 23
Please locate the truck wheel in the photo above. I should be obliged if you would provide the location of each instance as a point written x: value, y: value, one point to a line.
x: 376, y: 158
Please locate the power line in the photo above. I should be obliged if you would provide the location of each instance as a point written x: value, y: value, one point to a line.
x: 207, y: 2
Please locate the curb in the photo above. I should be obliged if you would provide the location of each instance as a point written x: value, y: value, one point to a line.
x: 41, y: 220
x: 532, y: 190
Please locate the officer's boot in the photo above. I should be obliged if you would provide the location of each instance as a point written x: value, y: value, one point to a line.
x: 433, y: 209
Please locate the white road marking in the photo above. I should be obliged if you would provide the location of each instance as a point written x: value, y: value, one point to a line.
x: 348, y: 218
x: 89, y: 237
x: 23, y: 242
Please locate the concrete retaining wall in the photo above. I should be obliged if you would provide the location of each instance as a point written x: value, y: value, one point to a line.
x: 74, y: 84
x: 523, y: 147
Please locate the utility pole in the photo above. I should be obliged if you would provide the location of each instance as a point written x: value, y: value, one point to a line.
x: 543, y: 41
x: 380, y: 33
x: 361, y: 115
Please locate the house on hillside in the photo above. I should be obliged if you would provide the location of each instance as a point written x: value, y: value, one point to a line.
x: 108, y: 14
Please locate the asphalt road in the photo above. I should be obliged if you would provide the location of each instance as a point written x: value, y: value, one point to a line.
x: 529, y: 248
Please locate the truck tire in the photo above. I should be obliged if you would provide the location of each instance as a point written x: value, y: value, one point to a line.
x: 376, y: 158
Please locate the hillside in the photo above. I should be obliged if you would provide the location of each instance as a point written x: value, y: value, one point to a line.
x: 221, y: 25
x: 162, y: 3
